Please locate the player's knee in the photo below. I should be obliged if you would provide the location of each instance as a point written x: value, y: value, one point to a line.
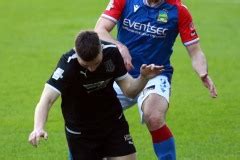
x: 154, y: 121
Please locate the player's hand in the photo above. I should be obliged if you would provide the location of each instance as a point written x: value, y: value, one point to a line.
x: 208, y: 83
x: 36, y: 135
x: 150, y: 71
x: 126, y: 56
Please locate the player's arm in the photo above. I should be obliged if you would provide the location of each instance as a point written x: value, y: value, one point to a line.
x: 48, y: 97
x: 199, y: 64
x: 198, y: 58
x: 107, y: 22
x: 191, y: 40
x: 132, y: 86
x: 103, y: 28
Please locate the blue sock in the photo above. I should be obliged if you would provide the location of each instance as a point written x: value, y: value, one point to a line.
x: 163, y: 143
x: 69, y: 155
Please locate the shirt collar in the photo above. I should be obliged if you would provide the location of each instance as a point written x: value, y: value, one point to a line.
x: 155, y: 6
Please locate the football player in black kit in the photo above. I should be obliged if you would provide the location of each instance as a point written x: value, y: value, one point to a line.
x: 95, y: 126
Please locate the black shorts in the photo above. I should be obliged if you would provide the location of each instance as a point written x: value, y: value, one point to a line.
x: 94, y: 144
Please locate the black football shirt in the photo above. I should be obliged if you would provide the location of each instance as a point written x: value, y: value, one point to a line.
x: 88, y: 98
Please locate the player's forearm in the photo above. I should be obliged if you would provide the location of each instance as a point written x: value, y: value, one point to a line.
x: 103, y: 28
x: 106, y: 36
x: 136, y: 86
x: 199, y: 64
x: 47, y: 99
x: 41, y: 114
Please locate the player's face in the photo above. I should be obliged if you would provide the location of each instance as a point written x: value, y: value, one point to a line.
x: 91, y: 65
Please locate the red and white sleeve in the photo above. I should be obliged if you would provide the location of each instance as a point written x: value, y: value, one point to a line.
x: 186, y: 27
x: 114, y: 10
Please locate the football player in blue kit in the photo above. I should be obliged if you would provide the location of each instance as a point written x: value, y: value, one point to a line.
x: 95, y: 126
x: 146, y: 33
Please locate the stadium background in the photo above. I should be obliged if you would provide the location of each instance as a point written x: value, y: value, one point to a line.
x: 33, y: 35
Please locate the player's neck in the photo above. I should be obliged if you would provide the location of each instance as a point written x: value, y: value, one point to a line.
x: 153, y: 3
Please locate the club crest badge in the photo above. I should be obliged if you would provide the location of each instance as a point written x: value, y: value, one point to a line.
x: 109, y: 66
x: 162, y: 16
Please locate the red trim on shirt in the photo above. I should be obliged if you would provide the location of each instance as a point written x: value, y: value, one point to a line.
x: 185, y: 25
x: 115, y: 8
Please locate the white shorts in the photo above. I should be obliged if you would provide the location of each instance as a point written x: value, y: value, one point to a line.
x: 158, y: 85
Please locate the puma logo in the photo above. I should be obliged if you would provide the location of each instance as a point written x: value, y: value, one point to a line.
x: 84, y: 73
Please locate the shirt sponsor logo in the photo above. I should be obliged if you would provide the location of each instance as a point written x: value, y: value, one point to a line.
x: 162, y: 16
x: 58, y: 74
x: 144, y: 29
x: 96, y: 86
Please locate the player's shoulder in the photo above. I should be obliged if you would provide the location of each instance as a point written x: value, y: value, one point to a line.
x: 67, y: 61
x: 67, y: 64
x: 110, y: 50
x: 105, y: 45
x: 69, y: 56
x: 108, y: 47
x: 174, y: 2
x: 177, y: 3
x: 182, y: 8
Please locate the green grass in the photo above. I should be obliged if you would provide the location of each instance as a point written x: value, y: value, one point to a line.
x: 33, y: 35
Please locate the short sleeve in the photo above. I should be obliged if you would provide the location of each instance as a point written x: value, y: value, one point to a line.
x: 186, y: 27
x: 57, y: 79
x: 114, y: 10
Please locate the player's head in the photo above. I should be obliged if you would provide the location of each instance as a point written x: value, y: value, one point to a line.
x: 89, y: 51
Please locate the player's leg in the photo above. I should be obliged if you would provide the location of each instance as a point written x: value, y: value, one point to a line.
x: 119, y: 144
x: 154, y: 105
x: 125, y: 101
x: 154, y: 112
x: 81, y: 148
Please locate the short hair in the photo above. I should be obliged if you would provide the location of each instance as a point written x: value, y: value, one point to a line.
x: 87, y: 45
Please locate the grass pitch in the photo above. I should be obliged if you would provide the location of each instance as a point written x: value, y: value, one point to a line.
x: 34, y: 34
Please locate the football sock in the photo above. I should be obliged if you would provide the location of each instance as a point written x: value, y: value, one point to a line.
x: 70, y: 155
x: 163, y: 143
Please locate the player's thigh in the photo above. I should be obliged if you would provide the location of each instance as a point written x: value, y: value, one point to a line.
x: 127, y: 157
x: 154, y: 98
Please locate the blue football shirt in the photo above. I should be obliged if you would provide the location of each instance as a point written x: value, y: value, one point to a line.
x: 150, y: 32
